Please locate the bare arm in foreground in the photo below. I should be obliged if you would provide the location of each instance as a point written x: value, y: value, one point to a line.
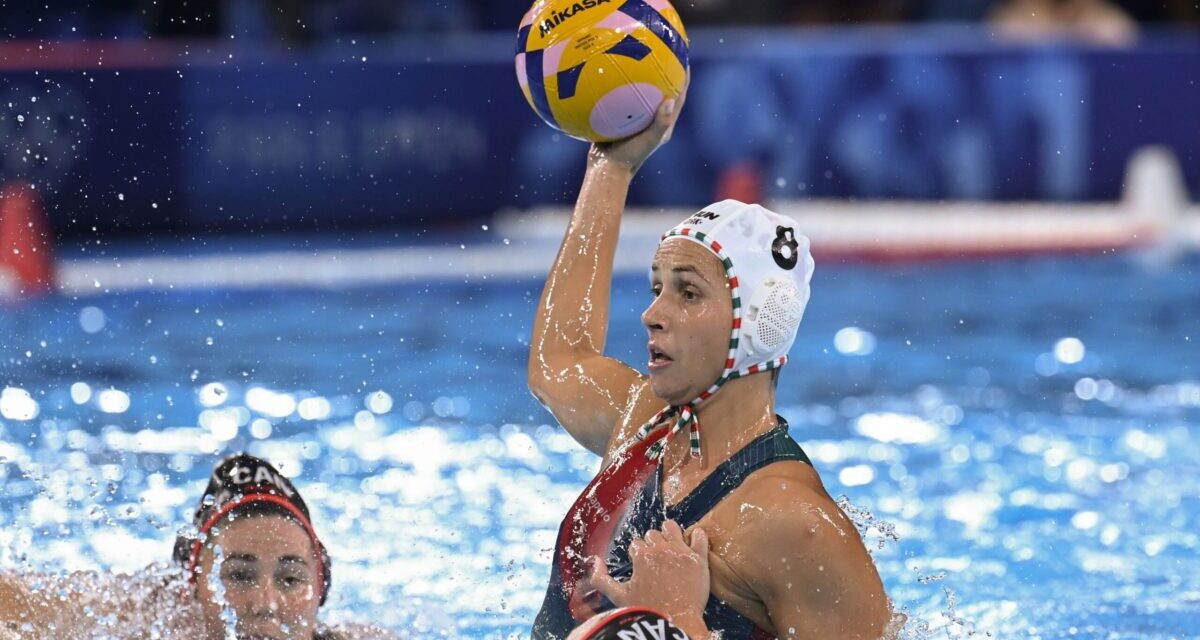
x: 19, y: 607
x: 87, y: 604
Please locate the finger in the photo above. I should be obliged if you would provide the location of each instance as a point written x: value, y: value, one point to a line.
x: 655, y: 537
x: 669, y: 132
x: 673, y: 532
x: 606, y: 584
x: 664, y: 118
x: 677, y: 107
x: 687, y: 83
x: 700, y: 545
x: 637, y: 547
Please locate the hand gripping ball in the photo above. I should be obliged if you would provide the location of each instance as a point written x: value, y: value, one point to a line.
x: 598, y: 69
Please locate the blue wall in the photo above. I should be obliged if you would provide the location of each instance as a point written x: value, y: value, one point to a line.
x: 430, y: 133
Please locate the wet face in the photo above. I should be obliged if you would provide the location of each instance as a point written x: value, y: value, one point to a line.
x: 268, y: 576
x: 689, y: 321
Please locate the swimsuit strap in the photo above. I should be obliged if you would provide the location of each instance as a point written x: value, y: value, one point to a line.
x: 771, y: 447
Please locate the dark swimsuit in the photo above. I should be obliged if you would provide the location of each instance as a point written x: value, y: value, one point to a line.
x: 625, y: 500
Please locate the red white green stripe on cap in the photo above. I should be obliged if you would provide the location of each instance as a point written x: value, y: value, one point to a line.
x: 687, y: 415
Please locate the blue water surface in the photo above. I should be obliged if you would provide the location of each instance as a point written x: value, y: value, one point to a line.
x: 1014, y: 437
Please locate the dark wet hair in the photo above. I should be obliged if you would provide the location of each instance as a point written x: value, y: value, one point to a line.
x: 245, y: 484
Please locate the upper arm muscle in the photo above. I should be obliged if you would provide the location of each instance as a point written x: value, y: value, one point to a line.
x: 807, y: 563
x: 589, y: 397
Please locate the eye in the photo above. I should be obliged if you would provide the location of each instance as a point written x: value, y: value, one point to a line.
x: 690, y: 295
x: 240, y: 577
x: 290, y: 582
x: 655, y: 290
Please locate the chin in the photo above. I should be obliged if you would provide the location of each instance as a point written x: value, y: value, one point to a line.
x: 673, y: 394
x: 261, y: 634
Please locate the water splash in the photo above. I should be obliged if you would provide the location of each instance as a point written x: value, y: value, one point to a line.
x: 868, y: 525
x: 146, y: 604
x: 429, y: 509
x: 904, y: 625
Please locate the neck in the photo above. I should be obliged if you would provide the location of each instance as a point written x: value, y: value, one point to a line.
x: 742, y: 410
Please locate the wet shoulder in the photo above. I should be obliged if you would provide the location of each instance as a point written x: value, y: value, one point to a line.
x: 783, y: 500
x: 642, y: 406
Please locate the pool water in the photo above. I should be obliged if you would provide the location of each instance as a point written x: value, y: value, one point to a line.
x: 1013, y: 436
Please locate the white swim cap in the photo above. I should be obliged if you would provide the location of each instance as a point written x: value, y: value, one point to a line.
x: 768, y: 266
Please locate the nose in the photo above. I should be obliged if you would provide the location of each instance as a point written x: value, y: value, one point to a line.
x: 654, y: 318
x: 267, y: 600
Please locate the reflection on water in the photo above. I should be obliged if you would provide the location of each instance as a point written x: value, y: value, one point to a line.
x: 1014, y: 439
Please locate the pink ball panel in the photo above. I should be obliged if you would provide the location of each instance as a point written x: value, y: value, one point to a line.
x: 625, y: 110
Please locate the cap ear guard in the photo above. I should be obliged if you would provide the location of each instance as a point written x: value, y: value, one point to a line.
x: 772, y: 319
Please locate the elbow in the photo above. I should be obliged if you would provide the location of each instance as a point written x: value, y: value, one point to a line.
x: 539, y: 388
x: 545, y: 368
x: 537, y: 376
x: 548, y: 377
x: 544, y: 389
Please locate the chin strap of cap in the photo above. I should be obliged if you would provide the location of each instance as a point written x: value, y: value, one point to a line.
x: 688, y: 414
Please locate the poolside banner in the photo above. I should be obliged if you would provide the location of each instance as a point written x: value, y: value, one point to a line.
x: 436, y: 135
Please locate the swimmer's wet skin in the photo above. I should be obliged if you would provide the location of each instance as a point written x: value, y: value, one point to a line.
x: 254, y: 569
x: 785, y: 561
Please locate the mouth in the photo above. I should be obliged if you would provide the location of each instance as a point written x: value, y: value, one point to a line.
x: 258, y: 634
x: 658, y: 358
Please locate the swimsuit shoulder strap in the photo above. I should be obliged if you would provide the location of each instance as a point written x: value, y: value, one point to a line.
x: 769, y: 448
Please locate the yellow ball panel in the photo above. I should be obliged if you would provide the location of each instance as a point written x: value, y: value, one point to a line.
x: 599, y: 73
x: 558, y: 20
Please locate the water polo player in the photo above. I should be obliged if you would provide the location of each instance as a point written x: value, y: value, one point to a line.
x: 696, y: 441
x: 253, y: 570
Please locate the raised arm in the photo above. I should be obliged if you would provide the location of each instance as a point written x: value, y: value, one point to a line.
x: 568, y: 372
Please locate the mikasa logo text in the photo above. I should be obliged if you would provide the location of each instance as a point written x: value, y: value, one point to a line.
x: 559, y: 16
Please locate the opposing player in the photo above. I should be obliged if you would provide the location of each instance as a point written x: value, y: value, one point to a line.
x: 254, y: 570
x: 696, y: 441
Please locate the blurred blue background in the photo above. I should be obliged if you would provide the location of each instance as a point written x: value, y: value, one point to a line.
x: 247, y: 121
